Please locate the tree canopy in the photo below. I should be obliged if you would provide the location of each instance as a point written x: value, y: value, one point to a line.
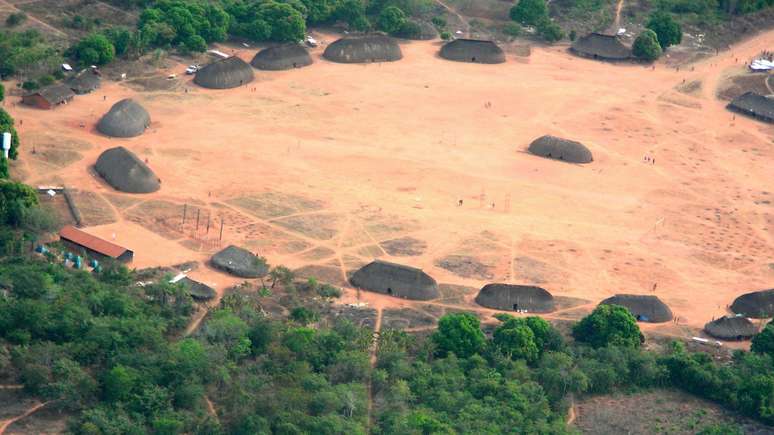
x: 668, y: 31
x: 459, y: 334
x: 94, y: 49
x: 529, y: 12
x: 608, y: 325
x: 646, y: 46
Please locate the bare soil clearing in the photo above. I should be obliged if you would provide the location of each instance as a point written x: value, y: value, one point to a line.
x: 327, y: 167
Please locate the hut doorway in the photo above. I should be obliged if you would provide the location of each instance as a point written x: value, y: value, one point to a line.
x: 515, y: 307
x: 389, y: 290
x: 472, y: 59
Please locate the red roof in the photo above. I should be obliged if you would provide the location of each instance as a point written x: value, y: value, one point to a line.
x: 74, y: 235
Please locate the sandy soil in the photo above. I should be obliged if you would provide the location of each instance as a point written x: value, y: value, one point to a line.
x: 320, y: 166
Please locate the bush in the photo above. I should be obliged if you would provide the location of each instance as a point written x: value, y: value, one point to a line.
x: 446, y: 36
x: 391, y: 19
x: 529, y: 12
x: 15, y: 19
x: 550, y: 31
x: 30, y: 85
x: 46, y: 80
x: 459, y: 334
x: 439, y: 23
x: 3, y: 168
x: 573, y: 35
x: 512, y: 29
x: 667, y: 30
x: 2, y: 92
x: 410, y: 30
x: 646, y: 46
x: 608, y: 325
x: 763, y: 342
x: 94, y: 49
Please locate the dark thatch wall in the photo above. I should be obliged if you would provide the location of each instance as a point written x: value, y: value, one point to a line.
x: 731, y: 328
x: 644, y: 308
x: 84, y: 82
x: 472, y: 50
x: 125, y: 172
x: 516, y: 297
x: 239, y: 262
x: 395, y: 280
x: 199, y: 291
x: 758, y: 305
x: 282, y: 57
x: 599, y: 46
x: 224, y: 74
x: 755, y: 105
x: 560, y: 149
x: 363, y: 49
x: 127, y: 118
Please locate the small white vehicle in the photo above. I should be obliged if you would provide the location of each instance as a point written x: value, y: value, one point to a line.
x: 191, y: 69
x: 311, y: 42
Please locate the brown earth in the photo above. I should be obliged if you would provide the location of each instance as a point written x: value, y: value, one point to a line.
x: 326, y: 167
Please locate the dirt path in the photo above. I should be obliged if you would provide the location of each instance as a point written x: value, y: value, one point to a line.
x: 6, y: 423
x: 210, y: 407
x: 374, y: 349
x: 456, y: 14
x: 617, y: 21
x: 11, y: 387
x: 571, y: 413
x: 32, y: 18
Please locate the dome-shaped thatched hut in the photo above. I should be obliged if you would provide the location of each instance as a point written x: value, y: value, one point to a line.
x: 600, y: 46
x: 224, y: 74
x: 557, y: 148
x: 755, y: 105
x: 282, y: 57
x: 200, y: 292
x: 758, y: 305
x: 127, y: 118
x: 417, y: 30
x: 731, y: 328
x: 395, y: 280
x: 125, y: 172
x: 84, y: 82
x: 644, y: 308
x: 240, y: 262
x: 516, y: 298
x: 472, y: 50
x: 363, y: 49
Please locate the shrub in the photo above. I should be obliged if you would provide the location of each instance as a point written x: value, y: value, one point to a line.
x: 666, y: 28
x: 30, y: 85
x: 439, y: 23
x: 46, y: 80
x: 2, y: 92
x: 550, y: 31
x: 512, y: 29
x: 608, y: 325
x: 646, y: 46
x: 391, y: 19
x: 529, y: 12
x: 15, y: 19
x: 410, y: 30
x: 460, y: 334
x: 446, y: 36
x: 573, y: 35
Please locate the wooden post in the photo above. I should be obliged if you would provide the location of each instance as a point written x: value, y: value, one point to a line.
x: 185, y: 210
x: 221, y: 230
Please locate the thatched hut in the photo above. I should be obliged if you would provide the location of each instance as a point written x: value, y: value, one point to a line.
x: 200, y: 292
x: 240, y: 262
x: 395, y: 280
x: 758, y: 305
x: 282, y: 57
x: 731, y: 328
x: 84, y: 82
x: 557, y: 148
x: 126, y: 118
x: 600, y: 46
x: 755, y: 105
x: 125, y: 172
x: 49, y: 97
x: 472, y: 50
x: 516, y: 298
x: 644, y: 308
x: 224, y: 74
x: 363, y: 49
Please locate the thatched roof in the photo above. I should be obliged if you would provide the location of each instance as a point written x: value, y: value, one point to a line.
x: 281, y: 57
x: 758, y: 305
x: 125, y: 172
x: 731, y: 328
x: 561, y: 149
x: 516, y: 298
x: 599, y: 46
x: 127, y: 118
x: 363, y: 49
x: 224, y: 74
x: 55, y: 94
x: 84, y: 82
x: 644, y: 308
x: 472, y: 50
x: 198, y: 290
x: 395, y: 280
x: 755, y: 105
x: 240, y: 262
x: 418, y: 30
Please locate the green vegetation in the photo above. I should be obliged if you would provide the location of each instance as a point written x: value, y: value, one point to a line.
x: 7, y: 125
x: 529, y: 12
x: 608, y: 325
x: 763, y: 343
x: 646, y: 46
x: 391, y: 19
x: 27, y: 55
x: 550, y: 31
x: 94, y: 49
x: 667, y: 30
x: 15, y: 19
x: 459, y: 334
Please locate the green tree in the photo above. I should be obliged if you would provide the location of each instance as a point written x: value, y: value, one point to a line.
x: 667, y: 30
x: 549, y: 30
x: 287, y: 24
x: 515, y: 339
x: 763, y: 342
x: 646, y: 46
x: 303, y: 315
x: 608, y: 325
x: 15, y: 19
x: 15, y: 199
x: 95, y: 49
x: 119, y: 383
x: 7, y: 125
x: 460, y: 334
x: 529, y: 12
x: 3, y: 168
x: 2, y: 92
x: 120, y: 37
x: 391, y: 19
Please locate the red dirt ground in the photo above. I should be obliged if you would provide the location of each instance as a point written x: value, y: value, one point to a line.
x: 321, y: 164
